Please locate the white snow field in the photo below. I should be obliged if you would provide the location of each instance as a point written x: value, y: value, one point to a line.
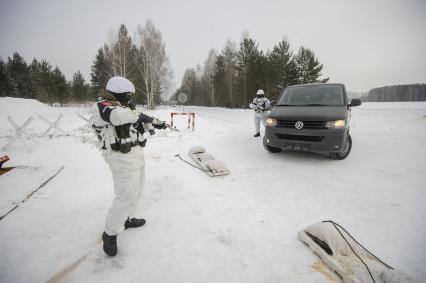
x: 241, y: 227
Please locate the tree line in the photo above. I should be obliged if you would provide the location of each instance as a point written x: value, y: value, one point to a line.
x: 143, y: 61
x: 231, y: 77
x: 411, y: 92
x: 40, y: 80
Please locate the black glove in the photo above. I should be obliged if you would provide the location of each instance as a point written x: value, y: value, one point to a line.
x: 158, y: 124
x: 151, y: 132
x: 145, y: 119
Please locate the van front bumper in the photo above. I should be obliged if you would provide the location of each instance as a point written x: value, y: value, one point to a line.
x: 317, y: 140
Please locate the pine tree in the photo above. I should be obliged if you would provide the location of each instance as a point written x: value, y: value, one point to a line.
x: 267, y: 76
x: 60, y: 86
x: 249, y: 69
x: 123, y: 56
x: 45, y: 89
x: 20, y: 76
x: 220, y: 82
x: 100, y: 73
x: 79, y: 89
x: 283, y: 67
x: 6, y: 87
x: 229, y: 54
x: 115, y: 59
x: 188, y: 85
x: 308, y: 67
x: 42, y: 94
x: 35, y: 73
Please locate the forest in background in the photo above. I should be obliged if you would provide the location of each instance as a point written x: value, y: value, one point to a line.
x: 405, y: 92
x: 227, y: 78
x: 231, y: 77
x: 143, y: 60
x: 408, y: 92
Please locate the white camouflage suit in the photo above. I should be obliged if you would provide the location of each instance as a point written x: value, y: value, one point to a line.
x: 128, y: 169
x: 261, y: 106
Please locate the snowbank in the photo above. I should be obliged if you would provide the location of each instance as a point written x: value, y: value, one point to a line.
x: 20, y: 109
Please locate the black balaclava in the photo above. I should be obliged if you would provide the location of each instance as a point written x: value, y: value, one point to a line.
x: 123, y: 98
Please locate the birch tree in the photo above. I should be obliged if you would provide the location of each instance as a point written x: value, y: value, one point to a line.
x: 152, y: 62
x: 207, y: 81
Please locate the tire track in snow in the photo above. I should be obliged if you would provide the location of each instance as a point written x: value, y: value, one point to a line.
x: 67, y: 270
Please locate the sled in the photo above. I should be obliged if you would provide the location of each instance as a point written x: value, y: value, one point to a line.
x: 19, y: 183
x: 328, y: 241
x: 207, y: 162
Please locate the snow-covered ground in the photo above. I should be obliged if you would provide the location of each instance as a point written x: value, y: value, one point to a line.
x: 236, y: 228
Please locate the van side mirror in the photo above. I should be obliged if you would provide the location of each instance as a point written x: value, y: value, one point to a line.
x: 355, y: 102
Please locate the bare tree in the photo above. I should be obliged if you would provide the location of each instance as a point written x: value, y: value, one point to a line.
x: 153, y: 64
x: 209, y: 70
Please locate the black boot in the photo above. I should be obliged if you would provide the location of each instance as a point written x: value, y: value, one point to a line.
x: 110, y: 244
x: 134, y: 223
x: 257, y: 135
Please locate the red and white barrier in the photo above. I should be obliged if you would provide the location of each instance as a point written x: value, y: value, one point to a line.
x: 190, y: 115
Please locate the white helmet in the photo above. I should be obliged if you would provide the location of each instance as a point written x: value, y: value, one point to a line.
x: 260, y: 92
x: 120, y: 85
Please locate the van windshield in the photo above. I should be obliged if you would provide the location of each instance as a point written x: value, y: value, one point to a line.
x: 313, y: 95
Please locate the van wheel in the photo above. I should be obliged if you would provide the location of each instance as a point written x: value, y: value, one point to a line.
x: 270, y: 148
x: 345, y: 152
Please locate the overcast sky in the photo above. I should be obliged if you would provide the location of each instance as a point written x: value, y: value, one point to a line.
x: 362, y: 43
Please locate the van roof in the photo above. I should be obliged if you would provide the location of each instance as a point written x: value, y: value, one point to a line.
x: 314, y: 84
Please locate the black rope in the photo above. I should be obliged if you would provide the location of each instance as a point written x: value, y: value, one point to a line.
x: 365, y: 249
x: 178, y: 155
x: 336, y: 225
x: 366, y: 266
x: 213, y: 171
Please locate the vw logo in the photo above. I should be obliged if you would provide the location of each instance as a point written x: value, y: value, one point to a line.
x: 298, y: 125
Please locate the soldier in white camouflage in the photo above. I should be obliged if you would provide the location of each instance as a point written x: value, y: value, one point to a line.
x: 120, y: 130
x: 260, y: 105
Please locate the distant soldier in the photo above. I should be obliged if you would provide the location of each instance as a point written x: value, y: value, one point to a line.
x: 261, y: 105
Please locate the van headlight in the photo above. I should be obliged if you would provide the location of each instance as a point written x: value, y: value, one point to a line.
x: 338, y: 124
x: 271, y: 122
